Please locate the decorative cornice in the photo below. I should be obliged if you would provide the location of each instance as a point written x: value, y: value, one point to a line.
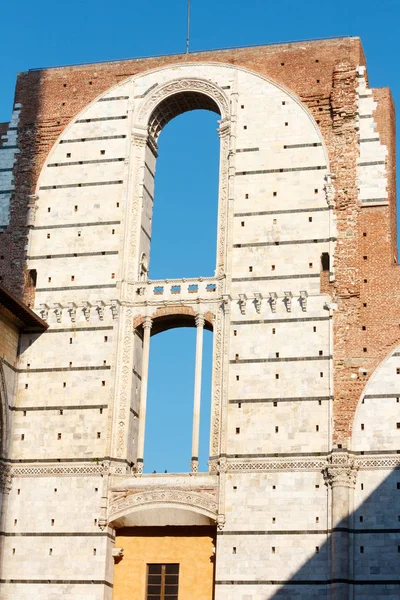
x: 188, y: 500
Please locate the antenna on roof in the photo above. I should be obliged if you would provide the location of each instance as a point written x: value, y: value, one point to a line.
x: 188, y: 28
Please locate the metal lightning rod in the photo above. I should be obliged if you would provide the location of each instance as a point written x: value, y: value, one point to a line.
x: 188, y: 29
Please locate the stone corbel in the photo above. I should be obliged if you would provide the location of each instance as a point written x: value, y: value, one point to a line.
x: 117, y: 554
x: 303, y: 300
x: 86, y: 310
x: 273, y: 297
x: 44, y: 311
x: 257, y: 301
x: 242, y: 303
x: 72, y: 311
x: 100, y: 309
x: 226, y: 303
x: 58, y: 310
x: 288, y: 301
x: 115, y: 304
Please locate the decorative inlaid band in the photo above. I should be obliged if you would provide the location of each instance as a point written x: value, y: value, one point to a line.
x: 311, y: 145
x: 93, y: 139
x: 58, y: 581
x: 277, y: 360
x: 77, y: 287
x: 70, y: 225
x: 287, y: 170
x: 78, y: 185
x: 77, y: 329
x: 302, y: 582
x: 111, y: 98
x: 65, y: 369
x: 247, y: 150
x: 285, y: 243
x: 86, y: 162
x: 313, y: 531
x: 60, y: 407
x: 283, y: 212
x: 58, y: 534
x: 266, y: 321
x: 74, y: 255
x: 273, y: 277
x: 97, y: 119
x: 293, y: 399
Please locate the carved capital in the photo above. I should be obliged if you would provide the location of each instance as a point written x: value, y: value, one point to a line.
x: 199, y: 320
x: 139, y: 138
x: 147, y: 323
x: 5, y: 480
x: 221, y: 520
x: 342, y: 471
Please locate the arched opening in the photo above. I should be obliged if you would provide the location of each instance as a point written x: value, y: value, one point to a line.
x: 184, y: 221
x: 170, y: 405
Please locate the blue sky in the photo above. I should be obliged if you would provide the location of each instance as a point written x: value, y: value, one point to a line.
x: 45, y: 33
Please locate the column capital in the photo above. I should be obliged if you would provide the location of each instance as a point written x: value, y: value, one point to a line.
x: 342, y: 471
x: 147, y: 323
x: 199, y: 320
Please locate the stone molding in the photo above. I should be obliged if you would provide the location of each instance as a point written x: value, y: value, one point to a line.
x: 202, y: 503
x: 182, y: 84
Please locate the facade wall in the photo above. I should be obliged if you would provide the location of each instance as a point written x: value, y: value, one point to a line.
x: 306, y: 171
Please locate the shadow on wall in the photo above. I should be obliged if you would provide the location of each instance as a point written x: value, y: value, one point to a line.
x: 361, y: 556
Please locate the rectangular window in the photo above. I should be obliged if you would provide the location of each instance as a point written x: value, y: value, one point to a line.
x: 162, y: 582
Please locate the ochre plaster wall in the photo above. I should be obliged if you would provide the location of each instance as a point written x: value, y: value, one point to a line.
x: 191, y: 547
x: 9, y: 336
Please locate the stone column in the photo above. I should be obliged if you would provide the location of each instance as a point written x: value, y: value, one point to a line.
x: 340, y: 477
x: 194, y: 464
x: 143, y: 393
